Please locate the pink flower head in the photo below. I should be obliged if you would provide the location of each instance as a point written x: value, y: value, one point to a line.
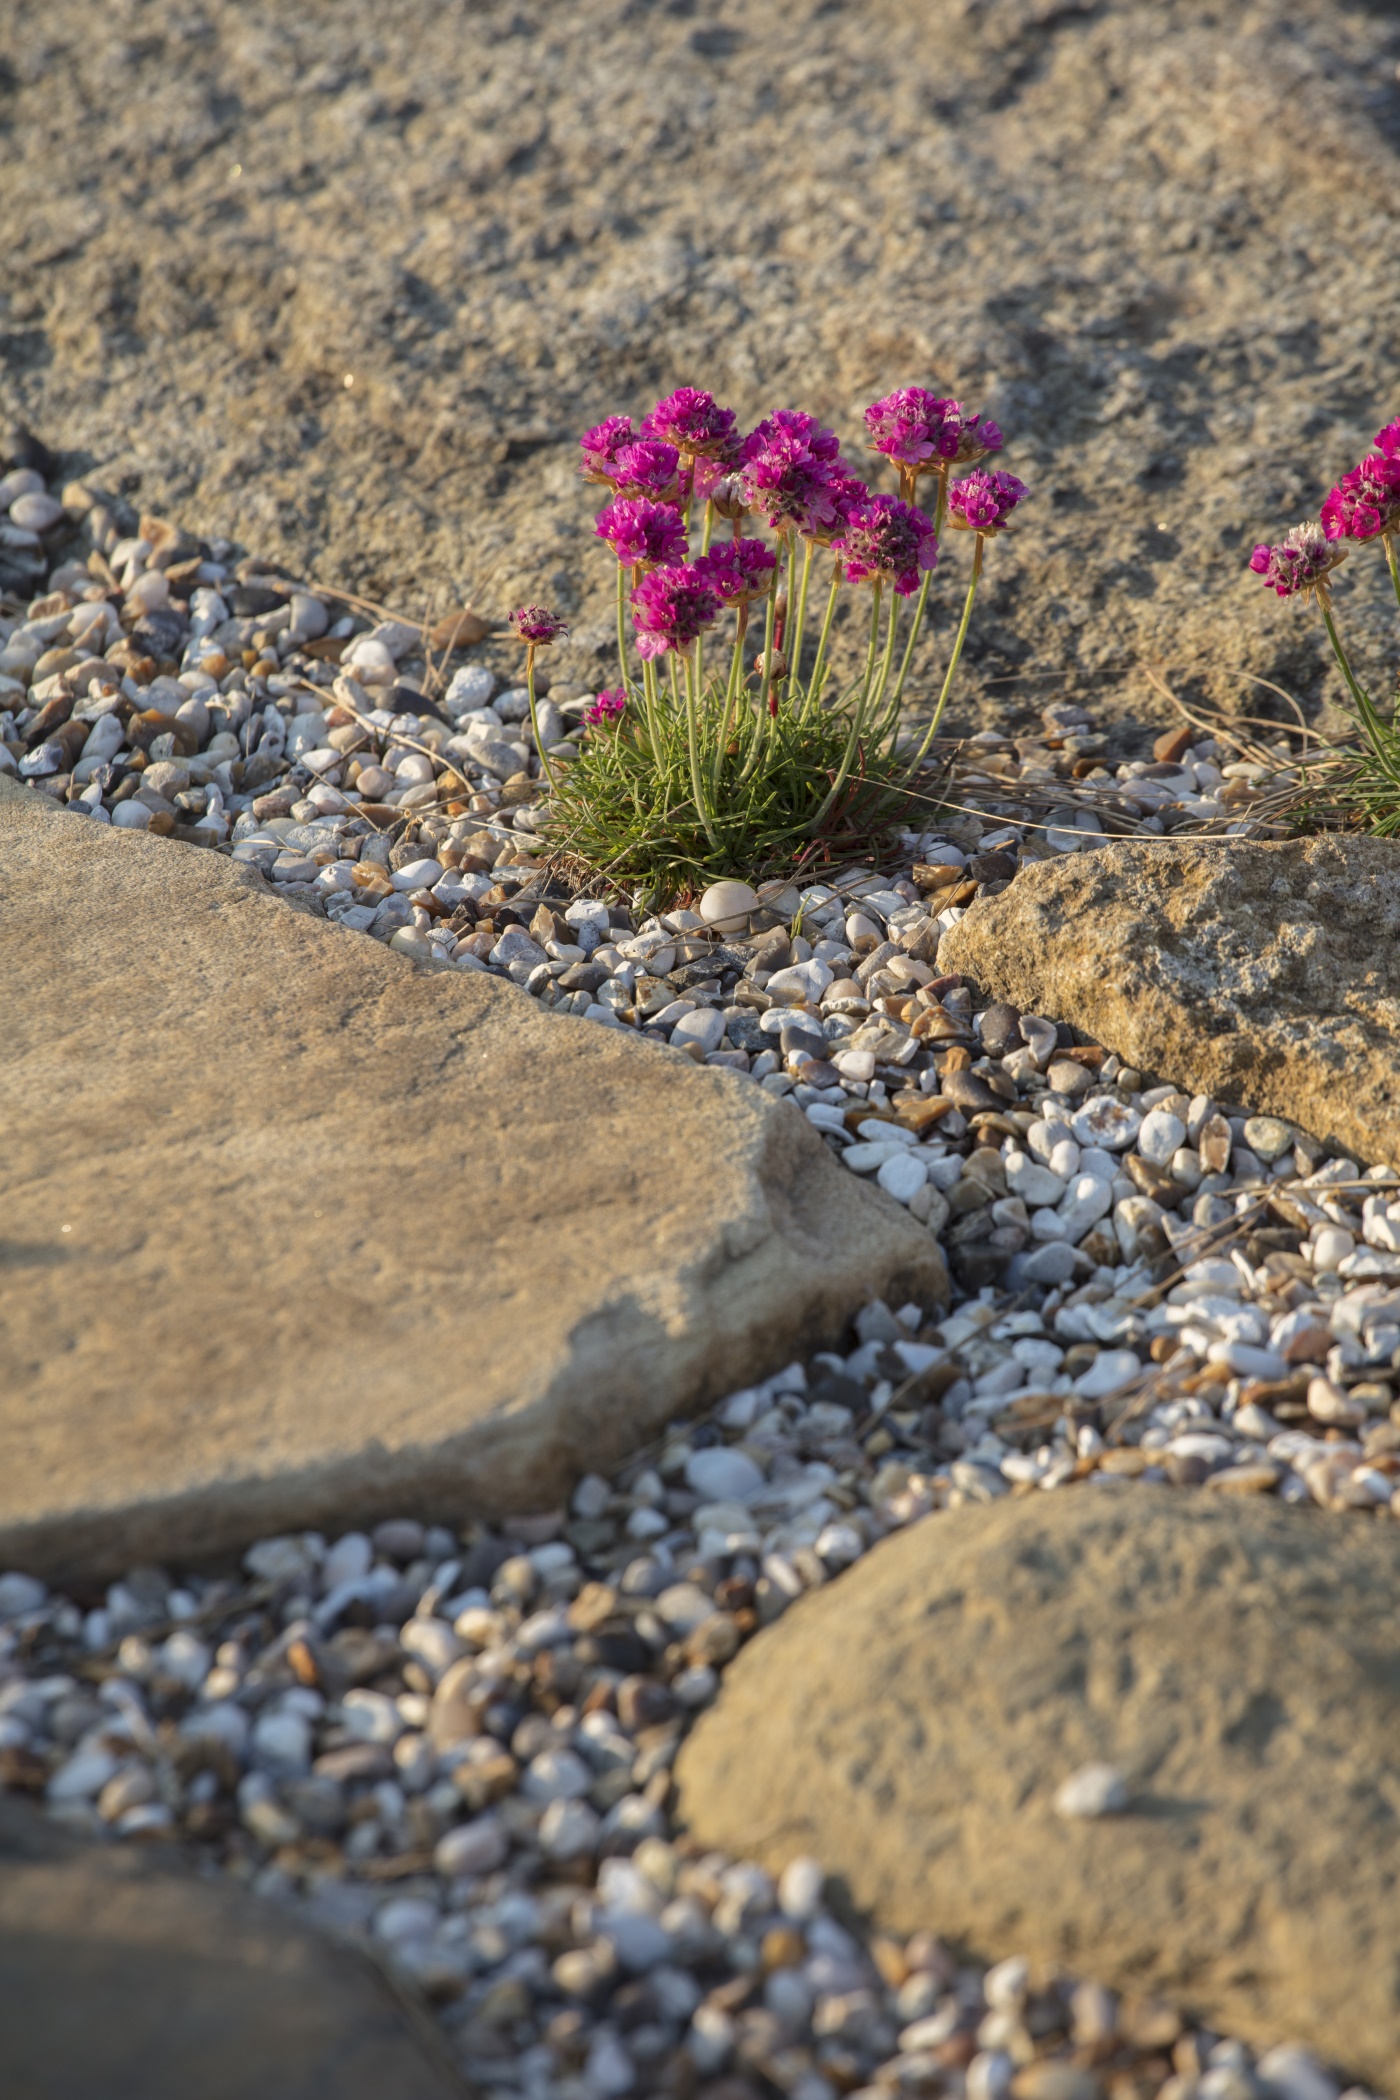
x: 888, y: 541
x: 845, y: 492
x: 738, y: 570
x: 601, y: 445
x: 608, y: 706
x: 792, y: 423
x: 1366, y: 501
x: 640, y: 531
x: 646, y: 468
x: 689, y: 420
x: 672, y: 607
x: 1388, y: 440
x: 913, y: 426
x: 1301, y: 561
x: 537, y: 627
x: 785, y: 481
x: 983, y: 502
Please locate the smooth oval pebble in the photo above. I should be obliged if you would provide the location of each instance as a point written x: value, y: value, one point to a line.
x: 726, y: 906
x: 35, y: 512
x: 1106, y: 1121
x: 1094, y: 1790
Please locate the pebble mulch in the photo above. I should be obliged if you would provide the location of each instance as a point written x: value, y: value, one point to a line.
x: 458, y: 1745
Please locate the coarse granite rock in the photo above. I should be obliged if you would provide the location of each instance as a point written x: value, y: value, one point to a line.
x: 365, y: 279
x: 122, y: 1973
x: 1239, y: 1667
x: 297, y: 1232
x: 1266, y: 975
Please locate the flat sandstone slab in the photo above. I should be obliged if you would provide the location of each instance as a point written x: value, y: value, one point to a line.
x: 1240, y: 1667
x: 1267, y: 975
x: 296, y: 1232
x: 122, y: 1973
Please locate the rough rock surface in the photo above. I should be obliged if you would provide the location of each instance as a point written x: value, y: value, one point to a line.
x: 1240, y: 1667
x: 1267, y: 975
x: 121, y: 1973
x: 344, y: 281
x: 294, y: 1230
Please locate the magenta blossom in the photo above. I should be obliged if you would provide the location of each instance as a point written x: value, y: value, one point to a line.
x: 642, y: 532
x: 1366, y: 501
x: 689, y: 420
x: 1301, y: 561
x: 978, y: 436
x: 646, y: 468
x: 787, y: 483
x: 672, y: 607
x: 738, y: 570
x: 792, y: 423
x: 888, y: 541
x: 601, y: 445
x: 608, y: 706
x: 537, y: 627
x: 1388, y: 440
x: 983, y: 502
x: 914, y: 426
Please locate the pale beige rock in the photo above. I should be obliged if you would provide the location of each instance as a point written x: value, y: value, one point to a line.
x: 1267, y: 975
x: 294, y: 1231
x: 1237, y: 1662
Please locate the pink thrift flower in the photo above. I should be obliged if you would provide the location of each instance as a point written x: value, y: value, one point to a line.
x: 536, y: 626
x: 1388, y: 440
x: 689, y: 420
x: 640, y: 531
x: 796, y: 424
x: 646, y: 468
x: 600, y: 446
x: 1300, y: 561
x: 786, y: 482
x: 672, y: 607
x: 983, y: 502
x: 738, y: 570
x: 978, y: 437
x: 887, y: 541
x: 607, y: 707
x: 1366, y: 501
x: 913, y: 426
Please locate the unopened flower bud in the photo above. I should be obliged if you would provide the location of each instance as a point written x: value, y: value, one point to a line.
x: 728, y: 498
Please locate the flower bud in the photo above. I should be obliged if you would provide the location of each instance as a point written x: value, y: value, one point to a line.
x: 727, y: 497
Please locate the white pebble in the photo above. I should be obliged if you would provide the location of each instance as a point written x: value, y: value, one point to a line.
x: 1094, y: 1790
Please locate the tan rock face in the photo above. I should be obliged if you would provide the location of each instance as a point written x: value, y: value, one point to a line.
x: 1267, y: 975
x: 121, y: 1972
x: 1240, y: 1667
x: 294, y: 1232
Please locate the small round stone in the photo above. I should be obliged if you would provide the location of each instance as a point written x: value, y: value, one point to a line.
x: 726, y: 906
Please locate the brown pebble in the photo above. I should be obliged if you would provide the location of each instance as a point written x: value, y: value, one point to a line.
x: 1170, y: 745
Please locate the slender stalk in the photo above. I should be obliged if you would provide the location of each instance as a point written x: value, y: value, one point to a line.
x: 819, y: 667
x: 1370, y: 721
x: 909, y: 646
x: 622, y: 626
x: 932, y: 730
x: 795, y: 653
x: 692, y: 708
x: 857, y: 717
x: 1393, y: 563
x: 708, y: 527
x: 761, y: 725
x: 888, y: 657
x: 653, y: 706
x: 940, y: 508
x: 731, y: 692
x: 545, y: 767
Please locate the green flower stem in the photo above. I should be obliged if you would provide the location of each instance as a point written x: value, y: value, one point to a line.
x: 692, y: 707
x: 795, y: 652
x: 1371, y: 723
x: 545, y: 767
x: 940, y: 508
x: 1394, y: 564
x: 653, y: 705
x: 622, y: 626
x: 932, y: 730
x: 857, y: 718
x: 708, y: 527
x: 814, y: 683
x: 761, y: 723
x: 909, y: 646
x: 888, y: 658
x: 731, y: 693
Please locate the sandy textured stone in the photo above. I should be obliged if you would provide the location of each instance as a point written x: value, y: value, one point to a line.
x: 365, y: 279
x: 1239, y: 1665
x: 295, y: 1231
x: 122, y: 1974
x: 1267, y: 975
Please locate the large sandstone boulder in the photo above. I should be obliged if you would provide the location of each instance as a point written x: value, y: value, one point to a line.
x: 912, y: 1723
x: 122, y: 1974
x: 390, y: 296
x: 1267, y: 975
x: 295, y: 1231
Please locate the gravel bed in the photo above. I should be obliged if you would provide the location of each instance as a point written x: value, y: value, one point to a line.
x: 457, y: 1745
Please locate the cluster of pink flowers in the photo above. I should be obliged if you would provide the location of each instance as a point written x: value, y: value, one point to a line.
x: 1364, y: 505
x: 607, y: 707
x: 789, y: 471
x: 537, y: 627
